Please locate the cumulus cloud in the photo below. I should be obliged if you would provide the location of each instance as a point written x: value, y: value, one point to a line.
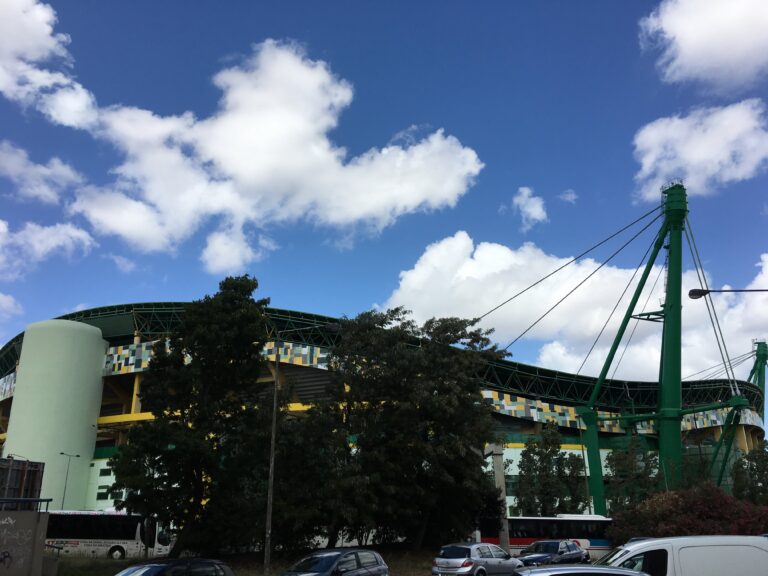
x: 264, y: 156
x: 9, y: 306
x: 569, y: 196
x: 27, y: 44
x: 23, y: 249
x: 707, y: 148
x: 456, y: 277
x: 723, y: 45
x: 530, y: 207
x: 43, y: 182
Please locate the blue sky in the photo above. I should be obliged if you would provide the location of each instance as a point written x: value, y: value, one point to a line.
x: 436, y: 155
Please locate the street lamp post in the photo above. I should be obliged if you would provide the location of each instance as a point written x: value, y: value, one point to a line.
x: 332, y: 328
x: 66, y: 476
x: 697, y: 293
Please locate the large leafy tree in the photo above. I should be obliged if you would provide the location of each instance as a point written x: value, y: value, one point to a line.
x: 200, y: 462
x: 549, y: 482
x: 408, y: 398
x: 750, y: 476
x: 632, y: 475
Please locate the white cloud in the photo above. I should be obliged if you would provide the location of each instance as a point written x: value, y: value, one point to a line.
x: 20, y: 251
x: 43, y: 182
x: 9, y: 306
x: 707, y: 148
x: 569, y: 196
x: 264, y: 157
x: 721, y: 44
x: 456, y: 277
x: 125, y: 265
x: 27, y: 43
x: 531, y: 208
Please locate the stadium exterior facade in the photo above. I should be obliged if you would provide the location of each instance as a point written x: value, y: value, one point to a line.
x: 70, y: 389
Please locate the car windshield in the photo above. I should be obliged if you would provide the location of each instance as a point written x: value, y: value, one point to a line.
x: 454, y: 552
x: 611, y: 557
x: 315, y: 563
x: 542, y: 547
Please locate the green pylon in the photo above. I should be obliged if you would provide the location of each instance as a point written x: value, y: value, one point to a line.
x: 670, y: 389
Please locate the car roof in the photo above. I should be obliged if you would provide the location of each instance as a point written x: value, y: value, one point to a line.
x: 590, y: 569
x: 691, y: 540
x: 324, y: 551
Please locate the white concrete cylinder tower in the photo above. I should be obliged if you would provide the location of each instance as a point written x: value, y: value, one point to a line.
x: 56, y: 405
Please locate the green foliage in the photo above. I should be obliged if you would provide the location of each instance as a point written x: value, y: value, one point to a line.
x: 410, y: 398
x: 200, y: 462
x: 750, y: 476
x: 632, y: 476
x: 549, y: 482
x: 703, y: 509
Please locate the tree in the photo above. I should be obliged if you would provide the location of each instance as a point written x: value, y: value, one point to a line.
x: 200, y: 462
x: 750, y: 476
x: 549, y: 481
x: 408, y: 397
x: 703, y: 509
x: 632, y: 475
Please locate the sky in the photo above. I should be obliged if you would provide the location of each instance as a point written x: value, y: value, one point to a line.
x: 436, y: 155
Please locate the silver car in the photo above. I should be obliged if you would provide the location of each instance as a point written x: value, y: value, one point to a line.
x: 480, y: 559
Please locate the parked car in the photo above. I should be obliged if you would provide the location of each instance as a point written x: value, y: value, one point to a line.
x: 470, y: 559
x: 179, y: 567
x: 554, y: 552
x: 698, y: 555
x: 576, y: 570
x: 335, y: 561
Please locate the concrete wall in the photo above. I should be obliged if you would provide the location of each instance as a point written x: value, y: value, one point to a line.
x: 56, y: 405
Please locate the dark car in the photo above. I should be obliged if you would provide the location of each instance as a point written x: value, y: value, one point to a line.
x: 574, y: 570
x: 179, y: 567
x: 554, y: 552
x: 473, y: 559
x: 336, y: 561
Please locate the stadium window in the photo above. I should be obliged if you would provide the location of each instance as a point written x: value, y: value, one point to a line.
x: 105, y: 472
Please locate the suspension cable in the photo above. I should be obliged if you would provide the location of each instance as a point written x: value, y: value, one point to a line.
x: 615, y: 306
x: 636, y: 323
x: 580, y: 284
x: 711, y: 310
x: 717, y: 369
x: 574, y: 259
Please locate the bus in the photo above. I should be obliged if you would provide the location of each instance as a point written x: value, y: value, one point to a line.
x: 105, y: 534
x: 586, y: 530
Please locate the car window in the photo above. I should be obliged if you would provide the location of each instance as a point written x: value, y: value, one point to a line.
x: 454, y: 552
x: 572, y: 547
x: 202, y: 569
x: 348, y: 562
x: 367, y: 558
x: 653, y: 562
x: 320, y: 562
x: 498, y: 552
x: 484, y: 552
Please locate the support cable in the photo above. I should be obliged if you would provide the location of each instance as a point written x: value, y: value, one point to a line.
x: 580, y: 284
x: 718, y: 368
x: 711, y: 310
x: 571, y: 261
x: 615, y: 306
x: 637, y: 323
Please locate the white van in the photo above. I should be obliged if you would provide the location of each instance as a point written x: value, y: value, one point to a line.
x: 693, y: 556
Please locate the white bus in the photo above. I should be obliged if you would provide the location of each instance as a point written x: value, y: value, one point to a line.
x: 105, y: 534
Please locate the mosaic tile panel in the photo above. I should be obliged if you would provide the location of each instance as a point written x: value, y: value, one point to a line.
x: 7, y: 385
x: 128, y: 359
x: 539, y: 411
x: 135, y: 357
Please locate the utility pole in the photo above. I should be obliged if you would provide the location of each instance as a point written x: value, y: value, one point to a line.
x: 497, y: 456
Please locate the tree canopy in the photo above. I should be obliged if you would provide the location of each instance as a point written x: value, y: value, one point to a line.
x: 186, y: 466
x: 549, y: 481
x: 408, y: 397
x: 632, y: 475
x: 750, y: 476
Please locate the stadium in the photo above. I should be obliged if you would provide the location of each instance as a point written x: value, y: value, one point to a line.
x: 70, y: 389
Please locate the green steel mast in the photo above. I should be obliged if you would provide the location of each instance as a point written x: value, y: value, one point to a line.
x: 669, y: 409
